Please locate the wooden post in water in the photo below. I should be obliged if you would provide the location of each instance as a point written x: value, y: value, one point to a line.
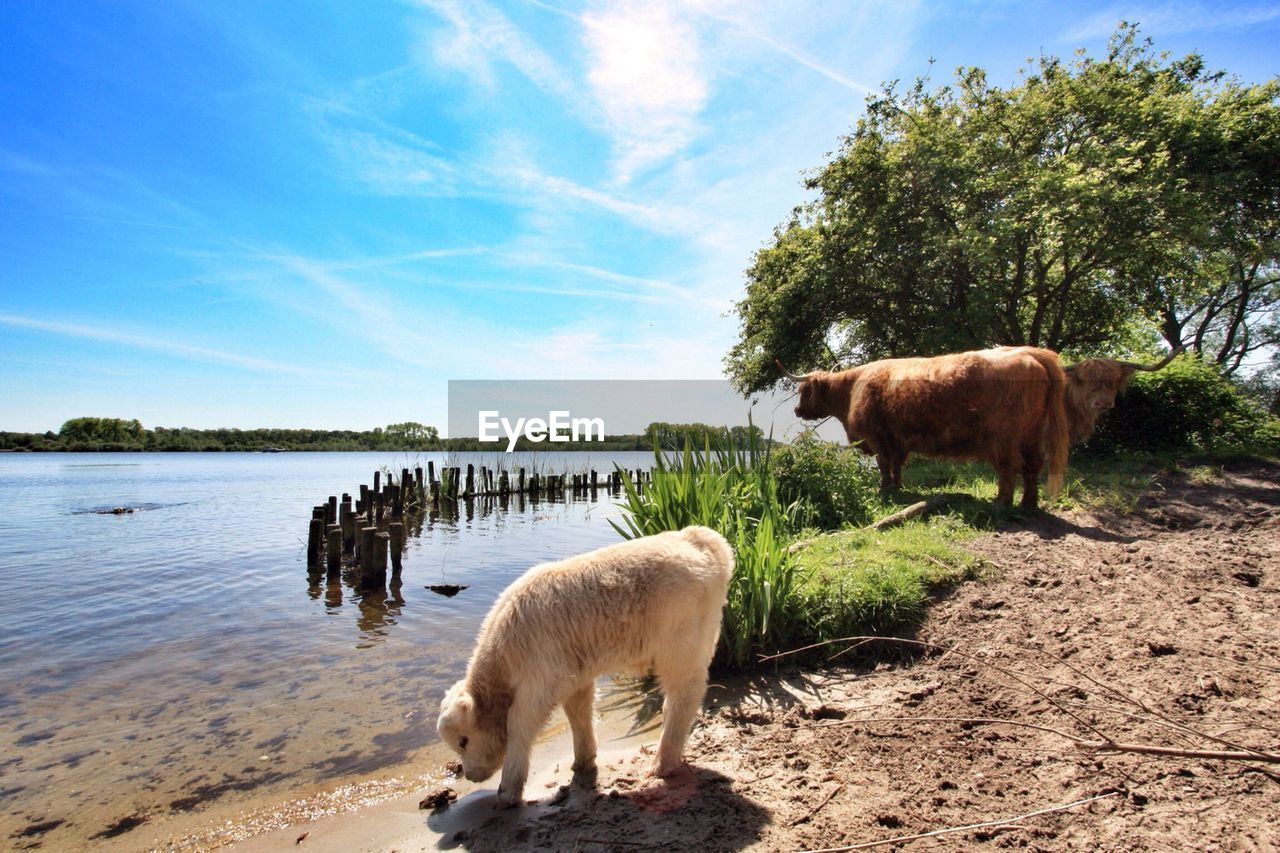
x: 504, y: 484
x: 368, y: 555
x: 471, y: 480
x: 521, y: 489
x: 314, y: 537
x: 379, y: 503
x: 333, y: 548
x: 377, y: 481
x: 346, y: 519
x: 382, y: 543
x: 431, y: 471
x: 417, y: 485
x: 363, y: 505
x: 396, y: 532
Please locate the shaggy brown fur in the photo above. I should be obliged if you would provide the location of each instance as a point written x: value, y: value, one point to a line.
x: 1004, y: 406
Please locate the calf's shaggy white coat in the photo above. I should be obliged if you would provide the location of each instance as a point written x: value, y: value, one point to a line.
x: 652, y: 603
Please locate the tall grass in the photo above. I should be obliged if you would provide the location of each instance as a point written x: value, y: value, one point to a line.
x: 733, y: 491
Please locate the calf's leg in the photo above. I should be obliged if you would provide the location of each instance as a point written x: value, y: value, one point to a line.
x: 679, y: 708
x: 525, y: 719
x: 578, y: 709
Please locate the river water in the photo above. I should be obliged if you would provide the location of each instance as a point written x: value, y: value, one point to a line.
x: 155, y: 662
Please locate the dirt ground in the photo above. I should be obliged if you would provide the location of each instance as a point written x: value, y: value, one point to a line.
x: 1159, y: 627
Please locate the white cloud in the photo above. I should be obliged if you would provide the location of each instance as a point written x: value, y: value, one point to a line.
x: 479, y: 35
x: 1170, y: 19
x: 647, y: 76
x: 748, y: 22
x: 157, y: 344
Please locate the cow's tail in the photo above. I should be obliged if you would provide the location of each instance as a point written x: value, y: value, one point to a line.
x: 1057, y: 433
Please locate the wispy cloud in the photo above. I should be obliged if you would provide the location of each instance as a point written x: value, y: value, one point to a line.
x: 1159, y: 19
x: 646, y: 73
x: 382, y: 158
x: 478, y: 36
x: 537, y: 184
x: 733, y: 16
x: 156, y: 344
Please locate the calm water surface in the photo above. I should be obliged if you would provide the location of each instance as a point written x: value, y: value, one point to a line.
x: 158, y: 661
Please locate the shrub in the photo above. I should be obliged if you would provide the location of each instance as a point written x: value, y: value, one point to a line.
x: 831, y: 485
x: 1187, y: 406
x: 734, y: 492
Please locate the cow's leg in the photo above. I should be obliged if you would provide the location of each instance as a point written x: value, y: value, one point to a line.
x: 1032, y: 462
x: 1006, y: 476
x: 899, y: 460
x: 889, y: 459
x: 884, y: 461
x: 578, y: 709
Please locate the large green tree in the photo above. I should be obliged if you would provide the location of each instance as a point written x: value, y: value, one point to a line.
x: 1090, y: 201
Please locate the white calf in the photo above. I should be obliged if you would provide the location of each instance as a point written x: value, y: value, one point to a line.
x: 648, y: 604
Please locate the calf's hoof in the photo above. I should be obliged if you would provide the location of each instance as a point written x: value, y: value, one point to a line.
x: 670, y: 767
x: 506, y: 800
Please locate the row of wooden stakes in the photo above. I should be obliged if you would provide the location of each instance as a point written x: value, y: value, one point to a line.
x: 369, y: 536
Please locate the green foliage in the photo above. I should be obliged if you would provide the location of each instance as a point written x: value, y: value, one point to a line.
x: 1187, y: 406
x: 851, y: 582
x: 733, y: 491
x: 413, y: 431
x: 831, y: 485
x: 1052, y: 213
x: 117, y: 433
x: 668, y: 436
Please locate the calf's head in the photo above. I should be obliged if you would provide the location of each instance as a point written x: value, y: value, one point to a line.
x: 463, y: 725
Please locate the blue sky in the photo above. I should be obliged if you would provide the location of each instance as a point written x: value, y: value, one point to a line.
x: 315, y: 214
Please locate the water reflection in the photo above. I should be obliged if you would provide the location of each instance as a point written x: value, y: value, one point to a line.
x: 434, y: 536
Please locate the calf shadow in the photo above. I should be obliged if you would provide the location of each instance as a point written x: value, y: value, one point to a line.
x: 695, y: 809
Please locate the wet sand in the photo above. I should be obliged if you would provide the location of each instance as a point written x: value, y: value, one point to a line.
x: 382, y: 813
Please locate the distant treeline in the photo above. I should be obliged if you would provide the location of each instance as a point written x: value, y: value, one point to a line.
x: 117, y: 434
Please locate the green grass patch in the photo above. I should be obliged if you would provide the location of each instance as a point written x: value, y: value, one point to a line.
x: 880, y: 582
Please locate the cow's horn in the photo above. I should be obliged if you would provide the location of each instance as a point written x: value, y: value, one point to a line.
x: 794, y: 377
x: 1168, y: 358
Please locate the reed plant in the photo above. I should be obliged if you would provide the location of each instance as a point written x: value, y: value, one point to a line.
x: 731, y: 490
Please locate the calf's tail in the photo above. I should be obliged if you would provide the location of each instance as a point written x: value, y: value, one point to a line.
x: 715, y: 547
